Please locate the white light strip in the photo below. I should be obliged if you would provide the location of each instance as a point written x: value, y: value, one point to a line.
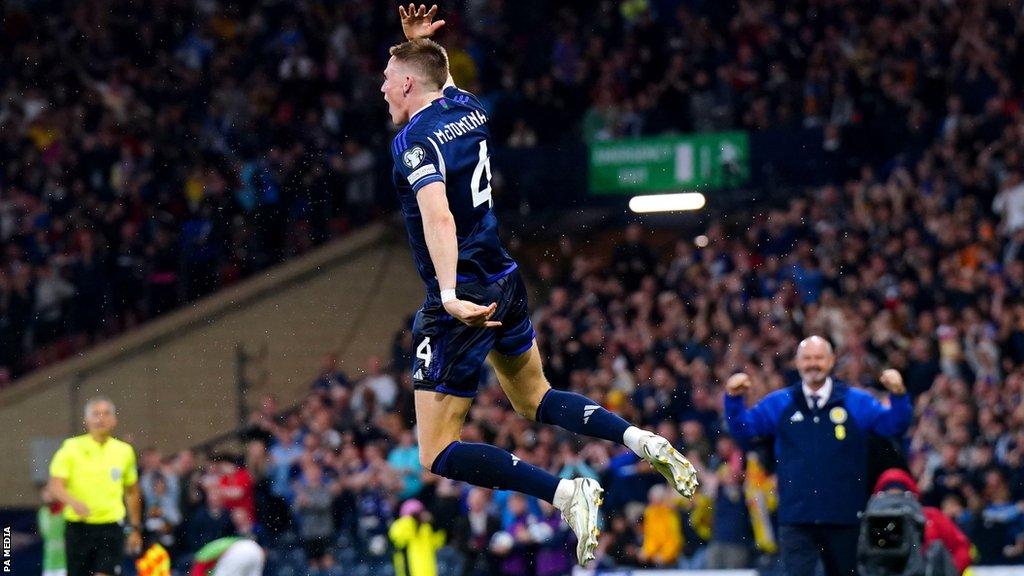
x: 667, y: 202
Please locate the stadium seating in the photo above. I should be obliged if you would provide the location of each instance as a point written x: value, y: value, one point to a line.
x: 269, y: 135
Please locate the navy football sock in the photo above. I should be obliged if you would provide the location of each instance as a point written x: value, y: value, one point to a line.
x: 491, y: 467
x: 582, y: 415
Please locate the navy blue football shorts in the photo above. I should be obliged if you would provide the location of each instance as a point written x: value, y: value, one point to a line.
x: 448, y: 356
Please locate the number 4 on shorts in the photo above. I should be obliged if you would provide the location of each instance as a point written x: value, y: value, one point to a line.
x: 423, y: 351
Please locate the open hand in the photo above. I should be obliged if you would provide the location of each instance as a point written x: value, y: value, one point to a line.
x: 418, y: 22
x: 472, y: 314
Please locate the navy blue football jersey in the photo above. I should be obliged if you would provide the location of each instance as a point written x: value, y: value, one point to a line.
x: 448, y: 141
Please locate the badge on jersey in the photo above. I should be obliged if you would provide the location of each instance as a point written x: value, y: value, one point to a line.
x: 413, y: 156
x: 115, y: 474
x: 840, y: 432
x: 837, y: 415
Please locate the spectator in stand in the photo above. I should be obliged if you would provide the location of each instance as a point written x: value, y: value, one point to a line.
x: 234, y: 484
x: 415, y: 541
x: 380, y: 383
x: 473, y: 532
x: 1009, y: 203
x: 188, y: 477
x: 208, y: 523
x: 732, y: 536
x: 518, y: 554
x: 150, y: 465
x: 312, y: 505
x: 330, y: 376
x: 152, y: 471
x: 404, y: 459
x: 284, y: 453
x: 998, y: 532
x: 632, y: 259
x: 556, y: 542
x: 161, y: 516
x: 371, y: 487
x: 51, y: 294
x: 620, y: 543
x: 663, y: 531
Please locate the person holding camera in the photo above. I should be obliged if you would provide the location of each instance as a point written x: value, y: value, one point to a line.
x: 938, y: 529
x: 820, y: 428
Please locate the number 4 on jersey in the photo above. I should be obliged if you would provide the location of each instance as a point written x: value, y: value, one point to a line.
x: 483, y: 168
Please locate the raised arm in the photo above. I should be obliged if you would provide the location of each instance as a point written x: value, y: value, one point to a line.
x: 891, y: 421
x: 419, y: 23
x: 744, y: 424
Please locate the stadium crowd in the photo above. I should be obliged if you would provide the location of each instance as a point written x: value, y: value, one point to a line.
x: 148, y: 183
x: 151, y: 153
x: 154, y: 153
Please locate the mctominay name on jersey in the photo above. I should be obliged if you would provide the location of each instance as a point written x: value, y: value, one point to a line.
x: 463, y: 125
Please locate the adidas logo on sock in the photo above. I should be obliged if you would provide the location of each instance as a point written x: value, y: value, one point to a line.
x: 515, y: 460
x: 587, y: 411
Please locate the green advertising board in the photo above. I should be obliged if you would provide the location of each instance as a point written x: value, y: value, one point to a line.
x: 698, y: 162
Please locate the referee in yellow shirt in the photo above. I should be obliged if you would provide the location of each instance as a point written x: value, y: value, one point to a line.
x: 94, y: 474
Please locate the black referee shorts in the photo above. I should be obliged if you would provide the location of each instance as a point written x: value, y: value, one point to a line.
x: 94, y: 548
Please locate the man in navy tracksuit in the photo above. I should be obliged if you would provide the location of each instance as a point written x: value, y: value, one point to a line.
x: 821, y: 429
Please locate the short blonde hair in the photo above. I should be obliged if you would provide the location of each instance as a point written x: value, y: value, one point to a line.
x: 426, y: 56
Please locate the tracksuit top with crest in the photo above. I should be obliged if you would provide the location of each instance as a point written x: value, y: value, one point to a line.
x: 821, y: 455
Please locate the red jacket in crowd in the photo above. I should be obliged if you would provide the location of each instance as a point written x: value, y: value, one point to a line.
x: 937, y: 526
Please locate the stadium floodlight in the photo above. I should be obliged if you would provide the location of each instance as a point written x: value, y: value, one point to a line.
x: 667, y: 202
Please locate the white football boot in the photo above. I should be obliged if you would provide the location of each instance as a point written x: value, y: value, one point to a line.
x: 670, y: 463
x: 581, y: 515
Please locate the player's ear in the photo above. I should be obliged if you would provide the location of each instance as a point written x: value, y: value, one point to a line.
x: 408, y: 86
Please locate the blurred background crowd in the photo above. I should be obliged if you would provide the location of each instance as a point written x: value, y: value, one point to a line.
x: 155, y: 152
x: 152, y: 153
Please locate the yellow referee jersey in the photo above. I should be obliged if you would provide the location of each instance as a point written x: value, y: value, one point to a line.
x: 96, y: 474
